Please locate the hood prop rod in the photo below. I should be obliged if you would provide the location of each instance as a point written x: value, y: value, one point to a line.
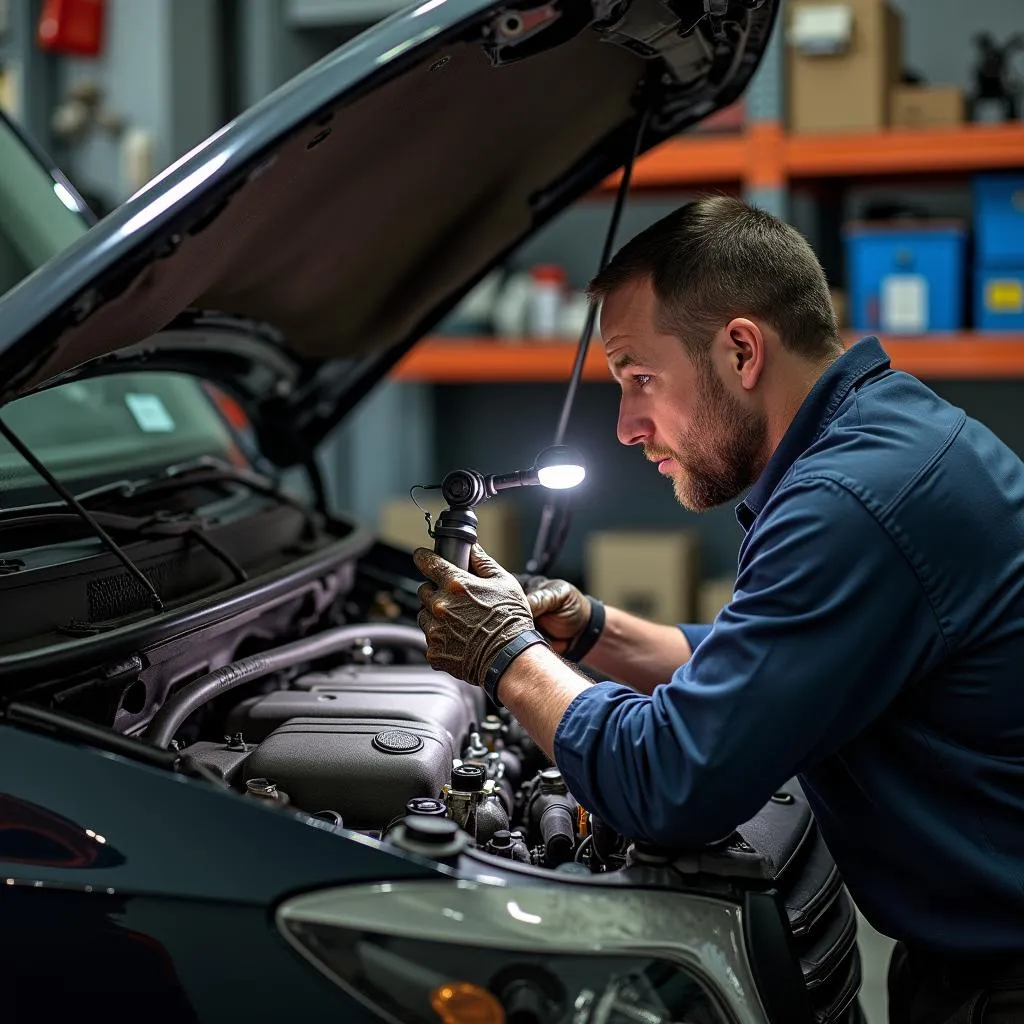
x: 557, y: 513
x: 83, y: 513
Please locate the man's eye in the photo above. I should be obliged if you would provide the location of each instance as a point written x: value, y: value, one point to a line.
x: 641, y: 380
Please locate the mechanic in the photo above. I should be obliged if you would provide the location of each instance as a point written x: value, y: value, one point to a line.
x: 875, y: 641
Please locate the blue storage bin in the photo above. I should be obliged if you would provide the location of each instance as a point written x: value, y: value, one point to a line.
x: 999, y: 219
x: 906, y: 278
x: 999, y: 298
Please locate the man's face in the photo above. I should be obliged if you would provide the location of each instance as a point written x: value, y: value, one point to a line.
x: 699, y: 433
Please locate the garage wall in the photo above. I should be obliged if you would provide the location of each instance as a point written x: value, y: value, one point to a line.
x: 161, y: 74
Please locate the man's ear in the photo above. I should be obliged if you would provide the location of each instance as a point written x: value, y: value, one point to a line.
x: 746, y: 347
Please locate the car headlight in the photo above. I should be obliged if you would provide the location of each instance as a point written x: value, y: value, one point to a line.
x: 446, y: 952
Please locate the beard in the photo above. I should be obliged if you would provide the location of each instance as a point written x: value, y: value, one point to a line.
x: 721, y: 454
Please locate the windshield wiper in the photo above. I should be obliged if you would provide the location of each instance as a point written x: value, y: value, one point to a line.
x: 197, y: 473
x: 158, y: 523
x: 83, y: 513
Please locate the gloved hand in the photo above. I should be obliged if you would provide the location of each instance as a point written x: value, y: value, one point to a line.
x: 560, y: 611
x: 468, y: 617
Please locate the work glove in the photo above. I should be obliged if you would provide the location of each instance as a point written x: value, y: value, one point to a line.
x: 560, y: 611
x: 468, y: 617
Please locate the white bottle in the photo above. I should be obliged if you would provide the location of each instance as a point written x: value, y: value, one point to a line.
x: 546, y: 299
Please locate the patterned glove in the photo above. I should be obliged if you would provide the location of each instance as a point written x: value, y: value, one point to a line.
x: 468, y: 617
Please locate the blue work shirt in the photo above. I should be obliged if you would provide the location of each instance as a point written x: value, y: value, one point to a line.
x: 874, y: 647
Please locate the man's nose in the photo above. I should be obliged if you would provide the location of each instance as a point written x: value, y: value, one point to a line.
x: 632, y: 428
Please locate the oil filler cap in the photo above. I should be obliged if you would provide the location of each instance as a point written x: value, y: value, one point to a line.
x: 426, y: 805
x: 397, y: 741
x: 468, y: 778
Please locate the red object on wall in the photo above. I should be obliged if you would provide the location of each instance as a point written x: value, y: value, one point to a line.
x: 72, y: 26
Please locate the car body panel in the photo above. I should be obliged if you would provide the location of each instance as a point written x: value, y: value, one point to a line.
x: 171, y: 900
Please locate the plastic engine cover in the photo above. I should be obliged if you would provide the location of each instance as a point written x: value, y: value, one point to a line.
x: 258, y: 717
x: 366, y: 769
x: 396, y: 678
x: 417, y: 694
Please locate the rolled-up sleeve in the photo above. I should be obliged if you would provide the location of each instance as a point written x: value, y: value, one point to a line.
x: 695, y: 632
x: 827, y: 622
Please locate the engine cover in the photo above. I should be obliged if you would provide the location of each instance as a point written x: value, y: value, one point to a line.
x: 366, y: 769
x: 416, y: 693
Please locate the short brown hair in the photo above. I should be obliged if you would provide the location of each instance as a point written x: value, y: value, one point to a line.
x: 718, y: 258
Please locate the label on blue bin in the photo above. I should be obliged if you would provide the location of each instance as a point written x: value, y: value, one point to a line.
x: 1004, y: 295
x: 904, y: 304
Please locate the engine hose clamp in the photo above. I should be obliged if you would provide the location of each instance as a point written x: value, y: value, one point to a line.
x: 505, y: 657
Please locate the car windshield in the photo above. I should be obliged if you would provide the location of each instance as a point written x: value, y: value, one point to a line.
x: 38, y: 216
x: 123, y: 427
x: 93, y: 432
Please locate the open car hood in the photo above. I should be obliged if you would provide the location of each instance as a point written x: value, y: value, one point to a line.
x: 299, y: 252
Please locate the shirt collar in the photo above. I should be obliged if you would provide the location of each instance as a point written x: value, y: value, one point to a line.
x: 859, y: 361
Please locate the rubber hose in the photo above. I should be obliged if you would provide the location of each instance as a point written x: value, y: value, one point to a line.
x: 194, y: 695
x: 558, y: 831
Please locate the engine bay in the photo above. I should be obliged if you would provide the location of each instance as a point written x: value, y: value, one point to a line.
x: 366, y: 745
x: 319, y: 705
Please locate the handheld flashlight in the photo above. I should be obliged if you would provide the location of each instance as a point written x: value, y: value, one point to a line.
x: 556, y: 468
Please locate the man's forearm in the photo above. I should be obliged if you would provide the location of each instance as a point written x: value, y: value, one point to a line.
x: 636, y: 652
x: 537, y: 688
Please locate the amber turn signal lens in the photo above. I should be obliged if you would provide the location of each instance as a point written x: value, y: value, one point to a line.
x: 460, y: 1002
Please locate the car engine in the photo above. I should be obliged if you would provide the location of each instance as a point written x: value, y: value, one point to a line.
x: 366, y: 745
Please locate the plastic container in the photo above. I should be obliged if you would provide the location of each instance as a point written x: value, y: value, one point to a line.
x: 906, y: 278
x: 547, y: 297
x: 999, y: 220
x: 999, y: 298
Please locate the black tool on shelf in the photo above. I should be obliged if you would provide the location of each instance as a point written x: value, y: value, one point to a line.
x: 993, y: 78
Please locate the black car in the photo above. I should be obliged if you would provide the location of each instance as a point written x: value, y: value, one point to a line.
x: 232, y: 787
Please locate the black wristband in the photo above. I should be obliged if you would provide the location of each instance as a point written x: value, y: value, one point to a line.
x: 505, y: 657
x: 580, y: 647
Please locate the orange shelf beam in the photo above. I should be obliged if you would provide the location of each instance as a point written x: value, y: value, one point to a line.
x: 689, y: 160
x: 959, y: 357
x: 965, y: 356
x: 765, y: 155
x: 973, y: 147
x: 472, y: 360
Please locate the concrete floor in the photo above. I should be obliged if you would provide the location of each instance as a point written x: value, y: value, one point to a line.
x: 875, y: 949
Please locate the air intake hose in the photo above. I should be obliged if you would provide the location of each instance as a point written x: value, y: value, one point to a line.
x: 194, y: 695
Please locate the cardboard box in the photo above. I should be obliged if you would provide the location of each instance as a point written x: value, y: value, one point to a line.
x: 651, y: 573
x: 846, y: 89
x: 401, y: 523
x: 713, y: 596
x: 926, y: 106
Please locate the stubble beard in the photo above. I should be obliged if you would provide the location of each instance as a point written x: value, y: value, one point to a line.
x: 722, y: 453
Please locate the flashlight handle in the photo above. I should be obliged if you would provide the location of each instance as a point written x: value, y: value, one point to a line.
x: 454, y: 551
x: 455, y: 535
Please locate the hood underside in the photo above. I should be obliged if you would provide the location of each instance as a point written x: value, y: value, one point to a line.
x: 349, y: 211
